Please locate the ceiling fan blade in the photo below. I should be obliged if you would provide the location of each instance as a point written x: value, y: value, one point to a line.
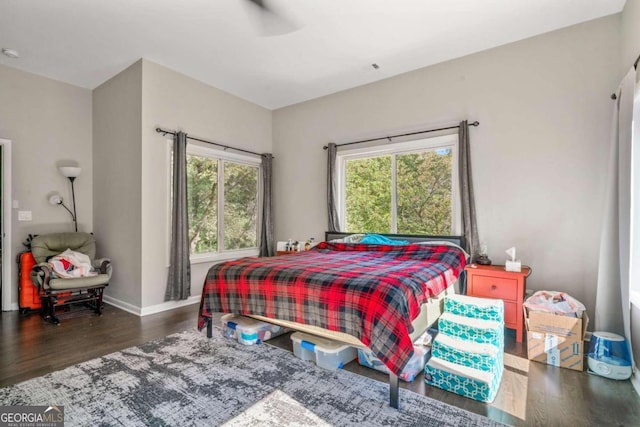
x: 260, y: 4
x: 270, y: 22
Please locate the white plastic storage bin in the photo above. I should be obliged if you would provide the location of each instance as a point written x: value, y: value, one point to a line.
x: 249, y: 331
x: 421, y: 353
x: 326, y: 353
x: 411, y: 369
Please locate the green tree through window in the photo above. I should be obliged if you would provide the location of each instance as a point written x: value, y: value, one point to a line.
x: 423, y: 193
x: 239, y: 214
x: 368, y: 194
x: 202, y: 203
x: 240, y: 206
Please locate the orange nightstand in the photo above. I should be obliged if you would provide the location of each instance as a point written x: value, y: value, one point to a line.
x: 286, y: 252
x: 493, y: 281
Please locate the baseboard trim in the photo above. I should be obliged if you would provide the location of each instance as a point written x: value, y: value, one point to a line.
x: 133, y: 309
x: 145, y: 311
x: 169, y: 305
x: 635, y: 381
x: 11, y: 307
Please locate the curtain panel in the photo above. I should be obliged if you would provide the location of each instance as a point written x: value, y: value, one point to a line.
x: 333, y: 220
x: 612, y: 292
x: 467, y: 197
x: 179, y: 277
x: 266, y: 230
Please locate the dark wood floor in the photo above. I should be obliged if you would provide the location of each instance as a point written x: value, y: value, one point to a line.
x: 530, y: 394
x: 30, y: 347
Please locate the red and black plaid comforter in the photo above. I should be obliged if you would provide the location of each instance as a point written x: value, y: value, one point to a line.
x: 371, y: 292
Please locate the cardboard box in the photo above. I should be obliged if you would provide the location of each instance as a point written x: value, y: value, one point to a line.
x: 556, y: 340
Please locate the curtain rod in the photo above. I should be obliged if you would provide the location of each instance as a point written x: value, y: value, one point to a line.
x: 226, y: 147
x: 635, y: 65
x: 476, y: 123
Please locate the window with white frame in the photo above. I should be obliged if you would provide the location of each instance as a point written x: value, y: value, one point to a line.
x: 222, y: 200
x: 634, y: 255
x: 407, y: 188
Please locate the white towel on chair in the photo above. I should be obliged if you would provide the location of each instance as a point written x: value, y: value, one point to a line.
x: 71, y: 264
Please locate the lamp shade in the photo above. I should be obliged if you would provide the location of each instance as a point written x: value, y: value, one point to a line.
x: 55, y: 199
x: 70, y: 171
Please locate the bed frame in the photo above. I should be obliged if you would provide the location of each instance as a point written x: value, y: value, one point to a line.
x: 430, y: 311
x: 458, y: 240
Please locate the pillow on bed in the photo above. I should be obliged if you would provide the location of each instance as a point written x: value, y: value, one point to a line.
x: 445, y: 243
x: 377, y: 239
x: 353, y: 238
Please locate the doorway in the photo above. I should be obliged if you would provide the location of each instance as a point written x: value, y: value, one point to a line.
x: 7, y: 283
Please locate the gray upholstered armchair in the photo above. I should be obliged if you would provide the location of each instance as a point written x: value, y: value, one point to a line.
x: 55, y: 290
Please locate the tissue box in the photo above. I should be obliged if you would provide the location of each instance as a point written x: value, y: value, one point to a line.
x: 555, y: 339
x: 513, y: 266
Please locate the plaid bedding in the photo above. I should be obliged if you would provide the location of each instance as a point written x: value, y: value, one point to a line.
x: 371, y: 292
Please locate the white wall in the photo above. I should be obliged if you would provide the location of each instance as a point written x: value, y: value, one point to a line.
x: 539, y: 155
x: 630, y: 49
x: 630, y: 35
x: 117, y: 112
x: 132, y: 169
x: 49, y: 122
x: 110, y: 133
x: 176, y: 102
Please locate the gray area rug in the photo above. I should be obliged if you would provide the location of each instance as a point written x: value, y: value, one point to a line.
x: 187, y: 379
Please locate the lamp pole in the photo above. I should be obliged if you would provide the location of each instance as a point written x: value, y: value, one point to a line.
x: 73, y: 197
x: 72, y: 173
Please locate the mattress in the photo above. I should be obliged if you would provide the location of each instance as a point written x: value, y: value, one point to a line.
x: 371, y: 292
x: 429, y: 314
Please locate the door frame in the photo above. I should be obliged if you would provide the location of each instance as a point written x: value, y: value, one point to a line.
x: 8, y: 261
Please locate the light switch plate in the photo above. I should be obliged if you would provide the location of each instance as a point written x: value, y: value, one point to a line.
x: 24, y: 215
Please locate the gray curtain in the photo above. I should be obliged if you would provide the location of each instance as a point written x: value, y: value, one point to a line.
x: 334, y: 222
x: 613, y: 310
x: 469, y: 226
x: 179, y: 280
x: 266, y: 231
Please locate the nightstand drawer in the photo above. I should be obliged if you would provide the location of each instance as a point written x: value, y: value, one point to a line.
x: 494, y: 287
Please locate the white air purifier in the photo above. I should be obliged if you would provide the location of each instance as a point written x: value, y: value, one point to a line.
x: 609, y: 356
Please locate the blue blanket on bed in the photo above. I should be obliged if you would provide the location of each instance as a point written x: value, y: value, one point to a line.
x: 377, y: 239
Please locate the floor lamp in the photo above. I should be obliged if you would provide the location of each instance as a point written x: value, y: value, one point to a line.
x: 71, y: 172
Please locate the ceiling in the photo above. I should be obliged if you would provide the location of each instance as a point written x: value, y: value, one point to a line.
x: 226, y: 44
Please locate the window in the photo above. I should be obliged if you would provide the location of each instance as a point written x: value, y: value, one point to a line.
x: 222, y: 200
x: 634, y: 256
x: 406, y: 188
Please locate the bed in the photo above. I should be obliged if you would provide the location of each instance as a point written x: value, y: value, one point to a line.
x: 380, y: 296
